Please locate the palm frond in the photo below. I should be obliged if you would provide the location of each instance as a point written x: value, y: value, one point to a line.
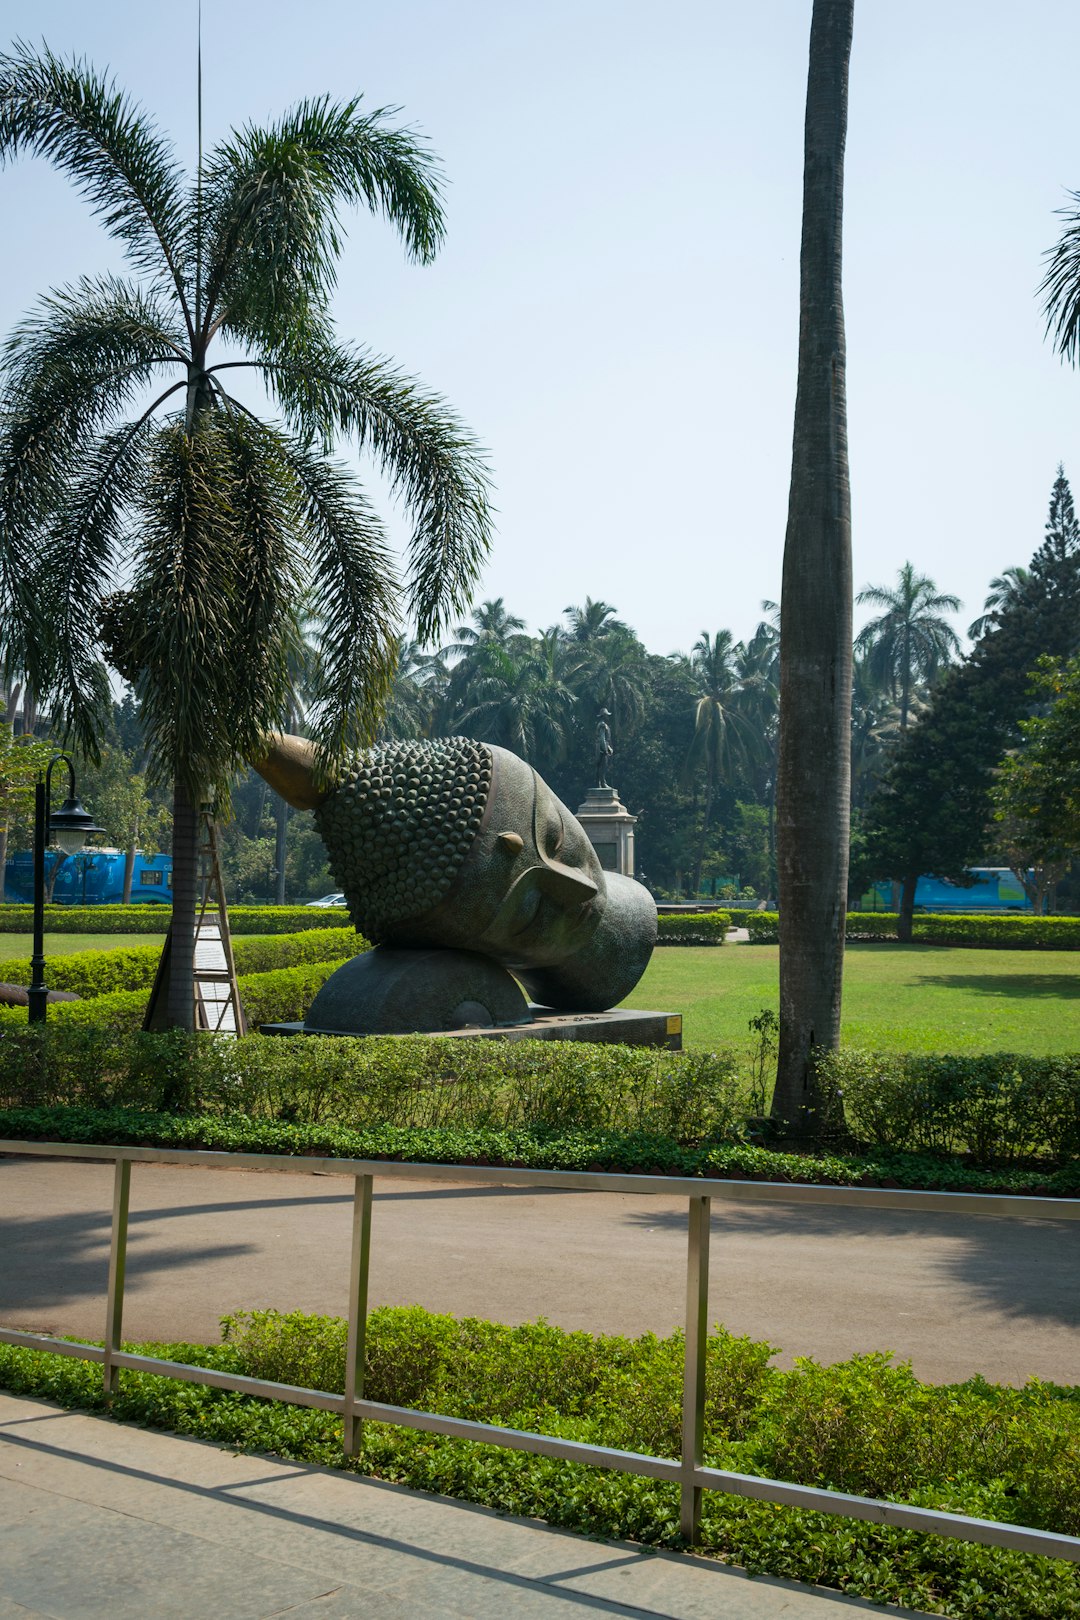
x: 429, y: 459
x: 70, y: 368
x: 80, y: 122
x: 78, y: 551
x: 271, y: 203
x: 353, y: 595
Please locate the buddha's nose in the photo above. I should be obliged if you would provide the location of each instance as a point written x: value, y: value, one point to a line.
x: 564, y: 885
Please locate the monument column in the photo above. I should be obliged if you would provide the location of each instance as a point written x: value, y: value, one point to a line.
x: 606, y: 820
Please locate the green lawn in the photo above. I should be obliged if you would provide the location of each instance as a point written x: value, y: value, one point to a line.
x: 920, y: 998
x: 22, y: 945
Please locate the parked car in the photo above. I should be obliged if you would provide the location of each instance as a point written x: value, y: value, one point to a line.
x: 329, y: 900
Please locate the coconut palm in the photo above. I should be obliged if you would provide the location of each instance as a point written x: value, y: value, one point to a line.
x: 910, y: 641
x: 520, y: 700
x: 1005, y: 591
x: 124, y: 454
x: 813, y: 782
x: 723, y: 729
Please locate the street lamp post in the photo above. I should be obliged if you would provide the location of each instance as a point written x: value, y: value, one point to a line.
x: 70, y: 826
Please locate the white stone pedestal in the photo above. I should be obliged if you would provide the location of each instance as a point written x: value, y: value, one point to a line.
x: 610, y: 827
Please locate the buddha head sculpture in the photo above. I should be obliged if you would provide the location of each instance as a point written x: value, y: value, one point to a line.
x: 460, y: 845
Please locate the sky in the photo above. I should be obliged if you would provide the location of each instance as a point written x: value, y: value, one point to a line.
x: 615, y: 311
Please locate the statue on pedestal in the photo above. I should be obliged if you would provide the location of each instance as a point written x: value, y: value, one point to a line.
x: 452, y: 848
x: 604, y: 749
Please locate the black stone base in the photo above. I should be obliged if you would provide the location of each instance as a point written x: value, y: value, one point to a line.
x: 623, y: 1025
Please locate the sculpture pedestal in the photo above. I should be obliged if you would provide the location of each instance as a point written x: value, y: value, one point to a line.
x: 610, y: 828
x: 624, y: 1025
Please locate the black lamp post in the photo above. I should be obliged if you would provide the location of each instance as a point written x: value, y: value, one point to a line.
x: 69, y: 827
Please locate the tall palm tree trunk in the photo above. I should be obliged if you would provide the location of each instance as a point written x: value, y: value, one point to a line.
x: 813, y: 795
x: 185, y: 877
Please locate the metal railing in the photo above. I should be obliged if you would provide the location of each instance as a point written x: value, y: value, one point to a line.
x: 688, y: 1471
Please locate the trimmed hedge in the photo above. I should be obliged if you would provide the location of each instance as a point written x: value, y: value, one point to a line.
x: 399, y: 1081
x: 689, y: 928
x: 997, y: 1108
x: 532, y: 1147
x: 93, y: 974
x: 1014, y: 932
x: 155, y: 919
x: 863, y: 1426
x: 268, y: 998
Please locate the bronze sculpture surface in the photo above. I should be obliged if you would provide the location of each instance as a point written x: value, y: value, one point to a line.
x: 459, y: 845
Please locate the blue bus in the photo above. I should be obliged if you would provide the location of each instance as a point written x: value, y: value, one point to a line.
x: 95, y: 877
x: 995, y: 888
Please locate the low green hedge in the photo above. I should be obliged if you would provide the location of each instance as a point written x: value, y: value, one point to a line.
x: 93, y: 974
x: 523, y: 1147
x: 408, y: 1082
x: 863, y: 1426
x: 1013, y: 932
x: 997, y: 1108
x: 692, y: 928
x: 155, y: 919
x: 267, y: 998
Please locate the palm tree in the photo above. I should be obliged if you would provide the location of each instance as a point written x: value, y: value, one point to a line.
x: 813, y: 810
x: 1005, y: 592
x: 419, y: 679
x: 122, y: 450
x: 910, y: 641
x: 521, y: 701
x: 722, y: 728
x: 606, y: 665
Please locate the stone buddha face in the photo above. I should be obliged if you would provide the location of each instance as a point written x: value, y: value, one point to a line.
x: 462, y: 845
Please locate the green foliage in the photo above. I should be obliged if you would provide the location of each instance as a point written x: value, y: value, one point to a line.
x: 407, y: 1082
x: 864, y: 1425
x: 154, y: 919
x: 1015, y: 931
x: 1037, y: 795
x: 997, y: 1109
x: 281, y: 996
x: 91, y: 974
x: 693, y: 928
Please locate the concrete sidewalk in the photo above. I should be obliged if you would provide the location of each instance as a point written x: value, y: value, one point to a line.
x: 100, y: 1519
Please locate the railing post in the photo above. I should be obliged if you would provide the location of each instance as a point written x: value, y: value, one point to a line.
x: 114, y: 1310
x: 358, y: 1292
x: 697, y: 1333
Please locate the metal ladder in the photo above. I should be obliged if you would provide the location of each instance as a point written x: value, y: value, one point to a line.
x: 217, y: 996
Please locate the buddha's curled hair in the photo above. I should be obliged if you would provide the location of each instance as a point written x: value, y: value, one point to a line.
x: 399, y: 825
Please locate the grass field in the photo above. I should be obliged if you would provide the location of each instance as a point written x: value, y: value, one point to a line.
x: 920, y: 998
x: 21, y: 945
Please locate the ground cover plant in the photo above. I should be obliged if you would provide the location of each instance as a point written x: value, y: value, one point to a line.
x: 863, y: 1426
x: 918, y: 998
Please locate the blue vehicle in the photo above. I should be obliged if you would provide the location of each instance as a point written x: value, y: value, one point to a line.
x: 995, y: 888
x: 94, y: 877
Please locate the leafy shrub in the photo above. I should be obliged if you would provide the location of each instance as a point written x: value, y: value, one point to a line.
x: 1013, y: 932
x: 861, y: 1425
x: 412, y: 1081
x: 97, y: 973
x: 268, y: 998
x: 999, y: 1108
x: 692, y: 928
x: 155, y: 919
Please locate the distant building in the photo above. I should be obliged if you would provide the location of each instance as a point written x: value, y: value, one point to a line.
x: 94, y: 878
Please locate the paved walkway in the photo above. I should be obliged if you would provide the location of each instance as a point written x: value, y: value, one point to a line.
x: 957, y: 1294
x: 101, y: 1521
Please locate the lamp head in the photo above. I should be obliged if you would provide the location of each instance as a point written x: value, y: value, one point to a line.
x: 71, y: 825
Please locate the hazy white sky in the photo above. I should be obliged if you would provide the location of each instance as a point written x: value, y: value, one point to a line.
x: 615, y: 312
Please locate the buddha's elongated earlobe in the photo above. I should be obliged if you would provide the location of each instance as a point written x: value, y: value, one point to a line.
x: 288, y: 764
